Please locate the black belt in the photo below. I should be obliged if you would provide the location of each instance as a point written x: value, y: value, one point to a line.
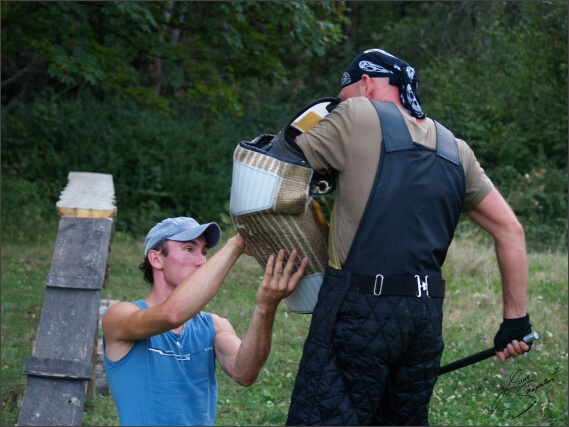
x: 403, y: 286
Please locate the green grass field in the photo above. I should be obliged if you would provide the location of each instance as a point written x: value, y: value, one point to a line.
x: 528, y: 390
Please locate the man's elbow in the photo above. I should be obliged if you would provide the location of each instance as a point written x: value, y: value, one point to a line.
x: 517, y: 229
x: 245, y: 380
x: 513, y: 232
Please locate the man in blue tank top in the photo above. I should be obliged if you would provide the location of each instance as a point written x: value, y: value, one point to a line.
x: 160, y: 351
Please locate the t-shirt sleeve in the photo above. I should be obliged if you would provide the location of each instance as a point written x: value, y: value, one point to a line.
x: 326, y: 145
x: 478, y: 184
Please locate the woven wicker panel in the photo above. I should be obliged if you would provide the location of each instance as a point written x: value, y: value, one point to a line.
x: 269, y: 230
x: 266, y: 233
x: 292, y: 194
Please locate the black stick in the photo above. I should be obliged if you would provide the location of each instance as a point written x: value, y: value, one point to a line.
x: 478, y: 357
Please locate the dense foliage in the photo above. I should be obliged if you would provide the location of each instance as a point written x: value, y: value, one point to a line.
x: 158, y: 94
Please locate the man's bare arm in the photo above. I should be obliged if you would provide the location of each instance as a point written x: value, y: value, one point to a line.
x: 243, y: 360
x: 495, y: 216
x: 127, y: 322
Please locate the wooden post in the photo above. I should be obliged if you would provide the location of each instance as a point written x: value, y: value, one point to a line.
x: 62, y: 362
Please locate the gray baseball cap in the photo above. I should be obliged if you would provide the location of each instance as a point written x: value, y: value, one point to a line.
x: 181, y: 229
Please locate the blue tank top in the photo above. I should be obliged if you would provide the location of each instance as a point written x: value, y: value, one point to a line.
x: 167, y: 379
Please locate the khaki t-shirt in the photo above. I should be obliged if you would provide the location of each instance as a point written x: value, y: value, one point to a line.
x: 348, y: 140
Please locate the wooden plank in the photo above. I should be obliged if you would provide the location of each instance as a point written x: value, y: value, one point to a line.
x: 68, y: 324
x: 65, y: 351
x: 58, y: 368
x: 88, y: 195
x: 91, y: 389
x: 52, y: 402
x: 81, y: 252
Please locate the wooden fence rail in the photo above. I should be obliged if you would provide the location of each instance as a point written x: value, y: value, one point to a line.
x: 61, y: 370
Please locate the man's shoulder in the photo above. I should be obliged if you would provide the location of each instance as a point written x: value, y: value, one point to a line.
x: 358, y: 108
x: 203, y: 318
x: 356, y: 101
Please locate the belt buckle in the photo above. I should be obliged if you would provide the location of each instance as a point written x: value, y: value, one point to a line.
x: 422, y: 286
x: 380, y: 285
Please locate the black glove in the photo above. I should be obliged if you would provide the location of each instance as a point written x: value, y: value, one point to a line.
x: 512, y: 329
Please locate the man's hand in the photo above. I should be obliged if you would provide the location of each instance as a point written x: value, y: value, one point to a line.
x: 513, y: 349
x: 280, y: 279
x: 239, y: 242
x: 505, y: 341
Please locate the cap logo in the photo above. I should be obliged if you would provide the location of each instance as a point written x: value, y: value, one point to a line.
x: 370, y: 67
x: 346, y: 80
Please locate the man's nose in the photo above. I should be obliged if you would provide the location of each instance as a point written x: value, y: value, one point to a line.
x: 201, y: 259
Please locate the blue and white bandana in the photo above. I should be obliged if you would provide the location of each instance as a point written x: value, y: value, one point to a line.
x: 379, y: 63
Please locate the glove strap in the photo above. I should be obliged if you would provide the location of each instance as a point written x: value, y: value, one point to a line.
x: 514, y: 323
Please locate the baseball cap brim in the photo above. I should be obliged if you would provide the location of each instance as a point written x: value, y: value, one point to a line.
x: 181, y: 229
x: 211, y: 231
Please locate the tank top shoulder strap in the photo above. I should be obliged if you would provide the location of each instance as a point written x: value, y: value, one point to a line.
x: 447, y: 147
x: 396, y: 136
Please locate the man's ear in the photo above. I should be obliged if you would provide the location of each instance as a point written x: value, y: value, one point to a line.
x: 155, y: 259
x: 368, y: 83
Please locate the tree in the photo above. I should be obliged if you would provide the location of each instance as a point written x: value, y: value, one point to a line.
x: 506, y: 93
x: 158, y: 52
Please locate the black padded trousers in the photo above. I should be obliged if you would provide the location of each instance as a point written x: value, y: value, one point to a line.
x: 378, y: 367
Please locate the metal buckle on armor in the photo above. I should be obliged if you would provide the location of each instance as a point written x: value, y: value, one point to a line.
x: 422, y: 286
x: 380, y: 285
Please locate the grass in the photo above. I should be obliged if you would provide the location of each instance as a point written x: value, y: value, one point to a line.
x: 472, y: 313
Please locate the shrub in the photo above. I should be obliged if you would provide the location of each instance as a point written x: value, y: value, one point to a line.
x: 163, y: 164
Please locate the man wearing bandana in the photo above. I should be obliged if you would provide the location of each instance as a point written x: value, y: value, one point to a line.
x: 375, y: 342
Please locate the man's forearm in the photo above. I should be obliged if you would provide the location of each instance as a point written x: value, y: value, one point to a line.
x: 512, y: 260
x: 192, y: 295
x: 255, y: 347
x: 280, y: 281
x: 494, y: 215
